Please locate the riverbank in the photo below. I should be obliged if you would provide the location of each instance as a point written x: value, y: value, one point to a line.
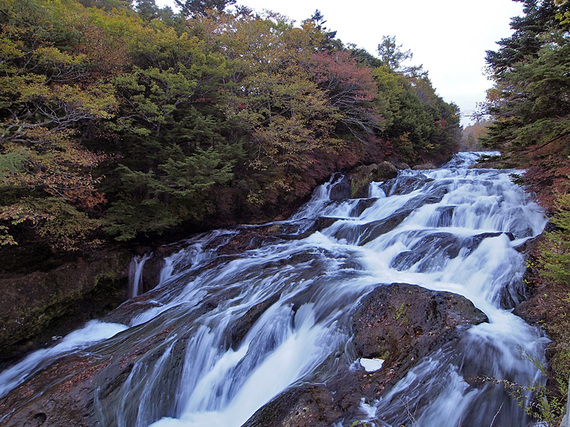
x: 547, y: 306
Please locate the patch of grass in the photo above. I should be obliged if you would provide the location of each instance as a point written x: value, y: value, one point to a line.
x: 400, y: 312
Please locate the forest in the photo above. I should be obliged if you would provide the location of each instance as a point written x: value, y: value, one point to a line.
x: 125, y: 122
x: 122, y: 123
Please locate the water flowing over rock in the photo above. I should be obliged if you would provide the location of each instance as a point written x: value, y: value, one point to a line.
x: 272, y: 325
x: 398, y: 323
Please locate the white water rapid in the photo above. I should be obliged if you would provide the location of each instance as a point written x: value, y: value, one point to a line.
x: 241, y: 328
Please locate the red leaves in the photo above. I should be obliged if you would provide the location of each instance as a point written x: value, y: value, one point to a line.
x: 350, y: 88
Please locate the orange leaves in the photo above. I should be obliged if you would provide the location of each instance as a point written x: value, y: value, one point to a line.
x: 350, y: 88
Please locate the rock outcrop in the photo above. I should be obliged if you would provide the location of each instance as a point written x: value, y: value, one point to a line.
x: 362, y: 176
x: 44, y: 304
x: 398, y: 323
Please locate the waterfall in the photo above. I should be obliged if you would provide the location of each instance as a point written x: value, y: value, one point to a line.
x: 233, y: 329
x: 136, y: 274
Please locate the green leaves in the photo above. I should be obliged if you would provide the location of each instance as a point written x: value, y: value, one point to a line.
x: 152, y: 96
x: 420, y: 125
x: 151, y: 202
x: 531, y: 99
x: 146, y: 121
x: 555, y: 251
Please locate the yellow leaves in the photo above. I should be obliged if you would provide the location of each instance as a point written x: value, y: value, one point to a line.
x: 59, y: 223
x: 50, y: 54
x: 564, y: 18
x: 14, y: 215
x: 9, y: 49
x: 59, y: 107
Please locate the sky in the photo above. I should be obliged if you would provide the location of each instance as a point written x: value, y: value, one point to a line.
x: 448, y: 37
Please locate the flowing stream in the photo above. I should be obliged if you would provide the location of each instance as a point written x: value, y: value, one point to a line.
x: 135, y: 274
x: 244, y: 327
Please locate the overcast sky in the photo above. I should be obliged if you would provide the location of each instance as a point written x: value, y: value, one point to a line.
x: 448, y: 37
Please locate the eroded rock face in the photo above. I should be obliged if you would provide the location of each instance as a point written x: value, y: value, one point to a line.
x: 40, y: 304
x: 362, y: 176
x: 399, y: 323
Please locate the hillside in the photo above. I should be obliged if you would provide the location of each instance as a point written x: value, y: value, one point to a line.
x: 131, y: 123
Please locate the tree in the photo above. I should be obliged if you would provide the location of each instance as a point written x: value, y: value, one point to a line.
x: 530, y: 99
x: 350, y: 88
x: 48, y: 95
x: 147, y: 9
x: 329, y: 36
x: 418, y: 124
x: 195, y: 7
x: 391, y: 53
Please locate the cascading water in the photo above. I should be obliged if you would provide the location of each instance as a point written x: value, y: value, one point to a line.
x: 136, y: 274
x: 237, y: 329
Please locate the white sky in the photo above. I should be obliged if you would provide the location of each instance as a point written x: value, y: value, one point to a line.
x: 448, y: 37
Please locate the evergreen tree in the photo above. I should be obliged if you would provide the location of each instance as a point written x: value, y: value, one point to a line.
x: 147, y: 9
x: 391, y: 53
x: 195, y: 7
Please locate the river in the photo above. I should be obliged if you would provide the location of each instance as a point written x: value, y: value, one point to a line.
x: 452, y: 229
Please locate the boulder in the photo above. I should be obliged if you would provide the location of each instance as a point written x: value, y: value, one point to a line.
x: 362, y: 176
x: 399, y: 323
x: 341, y: 190
x: 424, y: 166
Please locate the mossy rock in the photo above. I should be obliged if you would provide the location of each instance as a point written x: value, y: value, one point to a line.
x: 362, y: 176
x: 44, y: 304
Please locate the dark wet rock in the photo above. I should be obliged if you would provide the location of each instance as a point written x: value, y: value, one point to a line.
x: 431, y: 252
x: 374, y: 229
x: 362, y: 176
x: 310, y: 405
x: 405, y: 184
x: 512, y: 294
x: 424, y: 166
x: 324, y: 222
x: 399, y: 323
x: 252, y: 237
x: 65, y: 403
x: 361, y: 206
x: 134, y: 306
x: 247, y: 238
x: 365, y: 233
x: 238, y: 330
x: 316, y: 225
x: 69, y: 391
x: 151, y: 272
x: 528, y: 245
x: 340, y: 191
x: 445, y: 216
x: 400, y: 164
x: 42, y: 304
x: 153, y: 266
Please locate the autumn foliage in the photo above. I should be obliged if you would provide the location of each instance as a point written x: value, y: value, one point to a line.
x: 124, y: 122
